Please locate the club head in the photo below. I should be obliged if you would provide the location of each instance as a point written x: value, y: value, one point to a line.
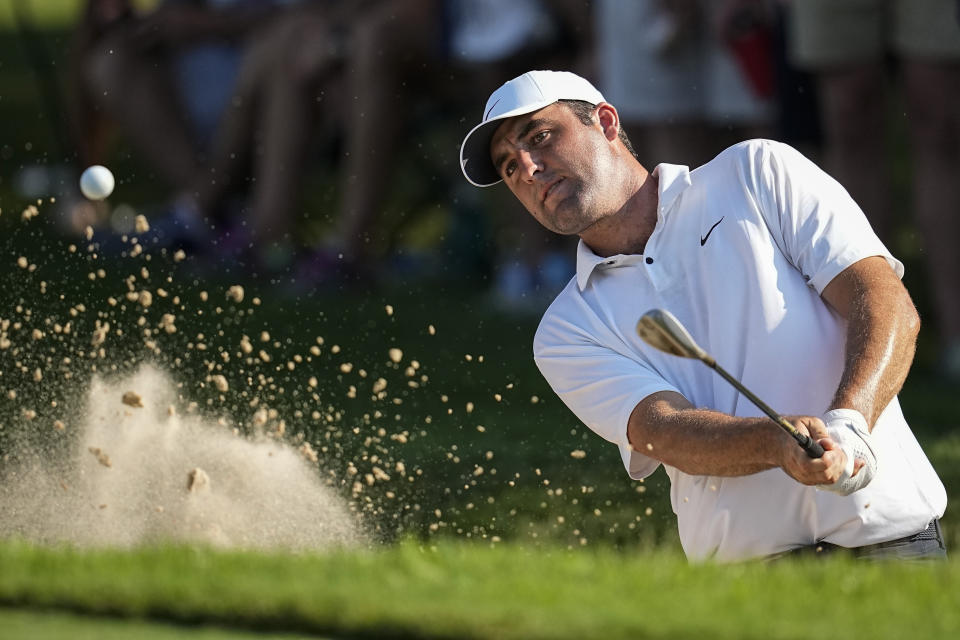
x: 661, y: 330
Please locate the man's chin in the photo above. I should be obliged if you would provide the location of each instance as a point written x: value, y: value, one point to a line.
x: 567, y: 219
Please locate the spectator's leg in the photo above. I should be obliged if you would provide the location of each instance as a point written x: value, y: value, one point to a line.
x: 933, y: 100
x: 392, y: 47
x: 230, y: 151
x: 136, y: 91
x: 852, y: 107
x: 842, y: 42
x: 288, y: 109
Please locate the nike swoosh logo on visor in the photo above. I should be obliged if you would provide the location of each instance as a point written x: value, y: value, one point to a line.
x: 703, y: 240
x: 487, y: 115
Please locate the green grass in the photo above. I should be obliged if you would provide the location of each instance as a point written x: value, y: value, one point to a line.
x: 44, y: 14
x: 475, y: 591
x: 39, y: 624
x: 51, y: 14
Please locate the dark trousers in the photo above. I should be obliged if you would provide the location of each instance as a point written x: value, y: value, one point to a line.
x: 925, y: 545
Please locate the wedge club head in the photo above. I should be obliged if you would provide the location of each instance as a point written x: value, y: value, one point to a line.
x: 661, y: 330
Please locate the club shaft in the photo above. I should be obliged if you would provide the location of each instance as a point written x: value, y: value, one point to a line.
x: 813, y: 448
x: 776, y: 417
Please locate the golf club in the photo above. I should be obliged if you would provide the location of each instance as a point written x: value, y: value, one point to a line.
x: 661, y: 330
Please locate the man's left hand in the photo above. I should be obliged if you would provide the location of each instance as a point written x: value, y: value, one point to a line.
x: 848, y: 429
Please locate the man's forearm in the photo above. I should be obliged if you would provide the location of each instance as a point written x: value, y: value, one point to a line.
x: 700, y: 441
x: 882, y: 326
x: 666, y: 427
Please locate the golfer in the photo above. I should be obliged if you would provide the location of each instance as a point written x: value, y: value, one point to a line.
x: 775, y: 271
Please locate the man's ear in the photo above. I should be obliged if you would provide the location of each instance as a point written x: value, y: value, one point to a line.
x: 609, y: 120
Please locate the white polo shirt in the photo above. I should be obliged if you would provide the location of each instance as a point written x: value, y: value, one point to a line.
x: 742, y: 248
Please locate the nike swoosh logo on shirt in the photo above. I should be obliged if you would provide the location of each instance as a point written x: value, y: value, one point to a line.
x: 703, y: 240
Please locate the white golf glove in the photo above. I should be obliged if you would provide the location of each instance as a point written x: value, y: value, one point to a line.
x: 848, y: 428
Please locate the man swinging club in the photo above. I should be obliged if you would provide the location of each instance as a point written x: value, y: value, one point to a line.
x: 773, y: 268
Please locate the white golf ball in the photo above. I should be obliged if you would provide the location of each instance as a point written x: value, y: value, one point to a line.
x: 96, y: 182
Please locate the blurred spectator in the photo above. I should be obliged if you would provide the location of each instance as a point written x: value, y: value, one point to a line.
x: 236, y: 116
x: 690, y: 77
x: 287, y: 73
x: 161, y: 78
x: 376, y: 68
x: 411, y: 60
x: 849, y: 45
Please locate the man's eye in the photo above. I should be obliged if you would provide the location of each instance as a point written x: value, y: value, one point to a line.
x: 509, y: 168
x: 539, y: 137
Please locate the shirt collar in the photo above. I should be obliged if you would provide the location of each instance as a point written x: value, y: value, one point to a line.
x: 672, y: 180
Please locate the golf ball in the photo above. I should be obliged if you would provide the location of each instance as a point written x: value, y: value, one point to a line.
x: 96, y: 182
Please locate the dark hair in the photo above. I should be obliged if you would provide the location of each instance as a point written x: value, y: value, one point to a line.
x: 584, y: 112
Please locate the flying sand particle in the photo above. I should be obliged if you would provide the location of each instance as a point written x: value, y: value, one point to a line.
x: 197, y: 480
x: 308, y: 452
x: 220, y: 383
x: 101, y: 456
x: 132, y: 399
x: 235, y: 293
x: 167, y: 323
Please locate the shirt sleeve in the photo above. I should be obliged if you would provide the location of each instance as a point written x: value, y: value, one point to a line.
x: 599, y: 384
x: 812, y: 218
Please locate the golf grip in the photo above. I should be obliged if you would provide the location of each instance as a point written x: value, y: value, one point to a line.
x: 811, y: 446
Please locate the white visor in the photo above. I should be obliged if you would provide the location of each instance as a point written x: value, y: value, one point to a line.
x: 530, y: 92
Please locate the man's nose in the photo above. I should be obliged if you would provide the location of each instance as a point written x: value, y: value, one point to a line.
x: 529, y: 164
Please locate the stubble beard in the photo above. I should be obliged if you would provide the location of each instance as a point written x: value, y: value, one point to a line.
x: 573, y: 214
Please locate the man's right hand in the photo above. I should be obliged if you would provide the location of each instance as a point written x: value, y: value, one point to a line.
x: 813, y: 471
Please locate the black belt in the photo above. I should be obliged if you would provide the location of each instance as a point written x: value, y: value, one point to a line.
x: 930, y: 532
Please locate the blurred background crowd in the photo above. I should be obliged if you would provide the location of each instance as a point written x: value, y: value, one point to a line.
x: 317, y: 140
